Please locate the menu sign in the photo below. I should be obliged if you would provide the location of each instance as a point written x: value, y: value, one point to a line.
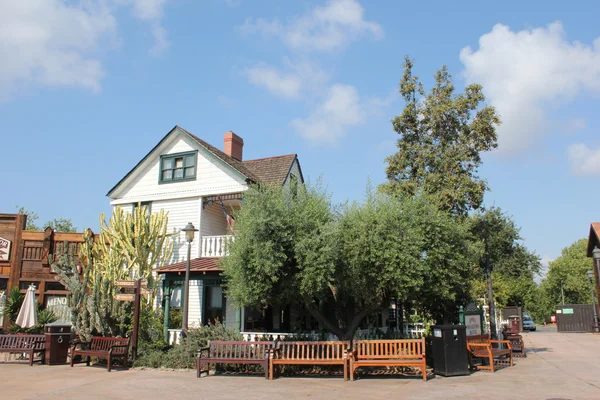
x: 4, y: 249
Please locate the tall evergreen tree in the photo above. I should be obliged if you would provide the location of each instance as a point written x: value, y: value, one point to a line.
x: 442, y: 136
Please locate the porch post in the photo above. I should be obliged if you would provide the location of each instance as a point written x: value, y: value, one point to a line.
x: 166, y: 308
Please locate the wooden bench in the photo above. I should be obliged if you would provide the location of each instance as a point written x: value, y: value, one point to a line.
x: 241, y: 352
x: 517, y: 344
x: 29, y: 344
x: 481, y: 346
x: 107, y: 348
x: 388, y: 353
x: 310, y: 353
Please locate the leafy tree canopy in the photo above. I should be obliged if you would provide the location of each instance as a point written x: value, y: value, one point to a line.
x: 57, y: 224
x: 569, y: 271
x: 344, y: 262
x: 514, y: 266
x: 442, y: 136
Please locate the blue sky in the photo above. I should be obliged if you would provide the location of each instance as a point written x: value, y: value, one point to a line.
x: 88, y: 88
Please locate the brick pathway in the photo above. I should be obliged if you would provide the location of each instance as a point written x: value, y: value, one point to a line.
x: 564, y: 366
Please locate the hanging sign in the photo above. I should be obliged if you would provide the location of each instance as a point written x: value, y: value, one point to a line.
x: 4, y: 249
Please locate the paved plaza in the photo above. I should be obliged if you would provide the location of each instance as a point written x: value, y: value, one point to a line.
x: 558, y: 366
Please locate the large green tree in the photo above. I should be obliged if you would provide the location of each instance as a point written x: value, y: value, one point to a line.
x: 513, y: 265
x: 567, y: 275
x: 442, y: 136
x: 342, y: 263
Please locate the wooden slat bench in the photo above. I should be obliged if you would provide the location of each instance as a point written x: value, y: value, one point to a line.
x: 29, y: 344
x: 517, y: 344
x: 310, y: 353
x: 388, y: 353
x: 107, y: 348
x: 234, y: 352
x: 481, y: 346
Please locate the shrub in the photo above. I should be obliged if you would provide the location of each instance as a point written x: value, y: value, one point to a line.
x: 183, y: 355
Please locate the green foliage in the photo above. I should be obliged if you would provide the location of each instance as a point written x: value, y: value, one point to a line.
x: 351, y: 259
x: 31, y: 218
x: 14, y: 300
x: 570, y: 269
x: 442, y: 137
x: 61, y: 225
x: 514, y: 267
x: 57, y: 224
x: 184, y: 355
x: 137, y: 240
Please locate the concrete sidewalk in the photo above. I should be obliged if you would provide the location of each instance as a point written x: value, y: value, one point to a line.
x: 558, y: 366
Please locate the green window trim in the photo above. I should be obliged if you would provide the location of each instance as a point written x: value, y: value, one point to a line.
x: 178, y: 167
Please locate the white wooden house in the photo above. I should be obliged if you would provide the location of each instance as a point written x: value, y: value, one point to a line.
x: 194, y: 181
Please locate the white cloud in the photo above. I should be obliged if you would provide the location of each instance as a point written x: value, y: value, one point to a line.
x: 583, y: 160
x: 525, y: 73
x: 326, y: 28
x: 275, y: 81
x: 51, y: 43
x: 150, y: 11
x: 341, y: 108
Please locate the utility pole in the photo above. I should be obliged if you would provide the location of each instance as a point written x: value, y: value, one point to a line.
x: 562, y: 292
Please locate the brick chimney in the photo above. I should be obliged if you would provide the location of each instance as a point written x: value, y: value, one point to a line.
x: 233, y: 145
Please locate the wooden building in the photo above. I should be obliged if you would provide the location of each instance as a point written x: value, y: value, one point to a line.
x: 24, y: 260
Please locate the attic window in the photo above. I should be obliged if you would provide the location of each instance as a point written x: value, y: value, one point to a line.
x: 177, y: 167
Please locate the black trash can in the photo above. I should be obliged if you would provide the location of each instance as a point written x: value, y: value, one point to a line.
x: 58, y: 337
x: 449, y: 347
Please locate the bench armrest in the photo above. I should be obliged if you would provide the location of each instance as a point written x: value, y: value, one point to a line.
x: 201, y: 350
x: 80, y: 343
x: 506, y: 342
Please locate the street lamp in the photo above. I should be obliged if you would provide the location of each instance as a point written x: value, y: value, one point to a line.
x: 590, y: 275
x: 190, y: 231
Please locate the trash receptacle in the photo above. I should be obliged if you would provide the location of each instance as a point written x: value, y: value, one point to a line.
x: 449, y: 347
x: 58, y: 336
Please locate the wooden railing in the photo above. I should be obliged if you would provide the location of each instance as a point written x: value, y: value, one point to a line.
x: 215, y: 246
x: 32, y: 253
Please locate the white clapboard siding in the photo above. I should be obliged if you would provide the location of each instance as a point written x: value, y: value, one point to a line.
x: 212, y: 176
x: 213, y: 221
x: 181, y: 211
x: 195, y: 304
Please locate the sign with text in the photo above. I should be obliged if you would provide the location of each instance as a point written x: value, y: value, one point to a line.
x: 4, y: 249
x: 473, y: 323
x: 125, y: 296
x: 129, y: 283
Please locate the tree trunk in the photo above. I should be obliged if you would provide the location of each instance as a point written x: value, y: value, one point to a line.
x: 342, y: 332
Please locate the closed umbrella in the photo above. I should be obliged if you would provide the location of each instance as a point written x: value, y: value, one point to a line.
x: 27, y: 317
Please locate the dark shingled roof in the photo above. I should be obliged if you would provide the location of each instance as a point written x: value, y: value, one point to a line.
x: 196, y: 265
x: 235, y: 164
x: 272, y: 170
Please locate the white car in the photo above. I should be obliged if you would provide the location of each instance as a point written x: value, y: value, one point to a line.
x: 528, y: 324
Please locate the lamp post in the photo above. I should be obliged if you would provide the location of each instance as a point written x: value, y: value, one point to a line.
x: 190, y: 231
x: 590, y: 275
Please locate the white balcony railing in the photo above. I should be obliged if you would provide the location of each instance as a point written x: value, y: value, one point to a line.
x: 215, y: 246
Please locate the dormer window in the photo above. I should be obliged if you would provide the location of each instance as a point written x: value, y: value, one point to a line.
x: 177, y: 167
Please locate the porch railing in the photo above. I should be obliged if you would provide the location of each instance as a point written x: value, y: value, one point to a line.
x: 215, y: 246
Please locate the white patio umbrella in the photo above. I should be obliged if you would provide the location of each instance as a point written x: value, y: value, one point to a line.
x: 27, y: 317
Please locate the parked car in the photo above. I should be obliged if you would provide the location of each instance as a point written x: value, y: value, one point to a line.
x: 528, y: 324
